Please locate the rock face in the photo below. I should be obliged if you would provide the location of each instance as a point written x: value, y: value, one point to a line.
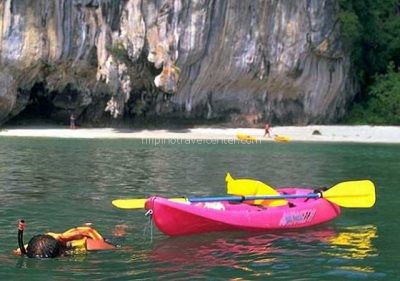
x: 250, y: 61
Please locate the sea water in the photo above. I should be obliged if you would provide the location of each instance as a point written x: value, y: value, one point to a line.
x: 56, y: 184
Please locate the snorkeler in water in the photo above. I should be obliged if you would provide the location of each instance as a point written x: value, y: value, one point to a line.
x: 75, y: 240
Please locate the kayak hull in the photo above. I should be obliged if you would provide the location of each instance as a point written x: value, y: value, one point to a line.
x: 177, y: 219
x: 244, y: 137
x: 281, y: 139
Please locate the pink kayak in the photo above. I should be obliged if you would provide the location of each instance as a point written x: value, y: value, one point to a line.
x: 176, y: 218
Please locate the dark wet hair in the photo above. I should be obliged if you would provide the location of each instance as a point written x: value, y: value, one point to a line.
x: 43, y: 246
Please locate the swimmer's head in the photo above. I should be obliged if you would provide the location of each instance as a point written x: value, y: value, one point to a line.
x: 43, y: 246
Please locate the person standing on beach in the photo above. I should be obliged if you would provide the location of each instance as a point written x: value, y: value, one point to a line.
x: 267, y: 130
x: 72, y: 121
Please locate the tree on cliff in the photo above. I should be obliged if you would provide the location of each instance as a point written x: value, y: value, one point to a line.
x: 383, y: 105
x: 371, y: 29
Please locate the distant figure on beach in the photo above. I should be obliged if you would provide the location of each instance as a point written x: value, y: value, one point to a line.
x: 72, y: 121
x: 267, y: 130
x: 73, y: 241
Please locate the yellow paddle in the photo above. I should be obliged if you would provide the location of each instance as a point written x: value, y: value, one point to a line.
x: 352, y: 194
x: 139, y: 203
x: 252, y: 187
x: 234, y: 187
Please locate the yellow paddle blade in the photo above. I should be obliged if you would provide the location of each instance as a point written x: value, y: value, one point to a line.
x: 353, y: 194
x: 139, y: 203
x: 248, y: 187
x: 228, y: 177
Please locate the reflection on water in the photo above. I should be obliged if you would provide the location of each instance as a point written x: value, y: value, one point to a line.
x: 336, y: 251
x: 355, y: 242
x: 249, y: 252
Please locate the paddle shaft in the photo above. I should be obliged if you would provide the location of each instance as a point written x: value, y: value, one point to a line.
x: 255, y: 197
x: 350, y: 194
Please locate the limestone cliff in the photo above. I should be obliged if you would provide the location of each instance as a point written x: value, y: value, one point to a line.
x: 277, y: 60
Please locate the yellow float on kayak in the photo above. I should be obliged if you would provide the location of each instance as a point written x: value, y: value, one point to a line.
x: 281, y: 139
x: 244, y: 137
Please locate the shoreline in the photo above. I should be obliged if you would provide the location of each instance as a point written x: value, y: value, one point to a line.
x: 328, y: 133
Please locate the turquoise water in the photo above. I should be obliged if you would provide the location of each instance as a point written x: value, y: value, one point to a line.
x: 55, y: 184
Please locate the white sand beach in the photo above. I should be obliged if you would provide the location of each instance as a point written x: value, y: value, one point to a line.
x: 361, y: 134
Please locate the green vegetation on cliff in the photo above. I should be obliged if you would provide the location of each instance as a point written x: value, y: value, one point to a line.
x: 371, y: 29
x: 383, y: 103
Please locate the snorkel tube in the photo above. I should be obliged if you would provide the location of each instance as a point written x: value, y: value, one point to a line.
x: 21, y: 227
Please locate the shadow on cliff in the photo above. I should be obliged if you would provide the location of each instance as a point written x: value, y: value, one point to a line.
x: 178, y: 125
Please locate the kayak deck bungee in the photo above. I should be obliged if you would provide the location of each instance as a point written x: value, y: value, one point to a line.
x: 186, y: 218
